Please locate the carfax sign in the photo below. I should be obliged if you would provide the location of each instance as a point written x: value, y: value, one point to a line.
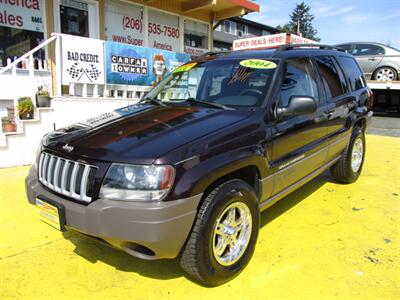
x: 133, y: 65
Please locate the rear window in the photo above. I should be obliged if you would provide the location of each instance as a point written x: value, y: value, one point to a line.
x: 353, y: 72
x: 367, y: 49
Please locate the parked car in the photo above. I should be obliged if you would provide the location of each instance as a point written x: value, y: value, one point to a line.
x: 378, y: 61
x: 186, y: 172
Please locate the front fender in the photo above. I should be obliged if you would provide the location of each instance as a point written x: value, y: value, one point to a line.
x: 200, y: 174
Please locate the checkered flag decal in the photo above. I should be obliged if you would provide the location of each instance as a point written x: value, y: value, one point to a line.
x: 75, y: 72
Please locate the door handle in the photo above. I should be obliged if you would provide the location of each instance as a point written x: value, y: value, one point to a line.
x: 372, y: 59
x: 328, y: 114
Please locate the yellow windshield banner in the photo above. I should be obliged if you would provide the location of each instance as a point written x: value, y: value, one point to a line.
x: 258, y: 64
x: 184, y: 68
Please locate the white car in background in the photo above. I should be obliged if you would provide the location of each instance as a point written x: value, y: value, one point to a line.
x: 378, y: 61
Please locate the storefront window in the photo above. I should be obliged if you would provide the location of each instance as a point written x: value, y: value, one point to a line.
x: 124, y: 23
x: 21, y: 29
x: 196, y: 37
x: 74, y: 18
x: 164, y: 31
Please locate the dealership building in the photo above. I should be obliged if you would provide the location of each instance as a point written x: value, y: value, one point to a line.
x: 180, y: 26
x: 91, y: 57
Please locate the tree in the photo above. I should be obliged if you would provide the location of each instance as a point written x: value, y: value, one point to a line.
x: 301, y: 22
x: 284, y: 28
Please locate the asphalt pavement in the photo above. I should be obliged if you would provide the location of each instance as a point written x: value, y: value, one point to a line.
x: 387, y: 126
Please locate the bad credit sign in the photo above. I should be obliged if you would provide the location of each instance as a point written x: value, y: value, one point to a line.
x: 82, y: 60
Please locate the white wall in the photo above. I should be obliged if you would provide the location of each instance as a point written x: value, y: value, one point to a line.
x: 20, y: 149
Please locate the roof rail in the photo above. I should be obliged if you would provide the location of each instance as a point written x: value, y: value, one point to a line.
x: 210, y: 53
x: 319, y: 46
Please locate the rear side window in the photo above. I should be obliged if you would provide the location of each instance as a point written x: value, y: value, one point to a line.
x: 353, y: 72
x: 299, y: 80
x: 333, y: 82
x: 366, y: 49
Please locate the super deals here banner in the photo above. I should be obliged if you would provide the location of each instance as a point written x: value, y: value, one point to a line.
x: 82, y: 60
x: 134, y: 65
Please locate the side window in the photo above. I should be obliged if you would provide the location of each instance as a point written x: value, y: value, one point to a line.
x: 366, y: 49
x: 333, y: 83
x: 353, y: 71
x: 299, y: 80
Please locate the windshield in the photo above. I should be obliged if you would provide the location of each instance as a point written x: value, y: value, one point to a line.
x: 225, y: 82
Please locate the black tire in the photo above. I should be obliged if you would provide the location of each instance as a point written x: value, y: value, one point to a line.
x: 375, y: 75
x: 197, y: 257
x: 342, y: 170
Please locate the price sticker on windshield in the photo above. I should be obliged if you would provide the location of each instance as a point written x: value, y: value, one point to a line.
x: 258, y: 64
x: 184, y: 68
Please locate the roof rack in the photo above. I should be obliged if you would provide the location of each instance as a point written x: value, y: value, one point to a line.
x: 319, y: 46
x: 210, y: 53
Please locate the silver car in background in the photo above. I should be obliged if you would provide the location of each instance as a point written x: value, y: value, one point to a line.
x: 378, y: 61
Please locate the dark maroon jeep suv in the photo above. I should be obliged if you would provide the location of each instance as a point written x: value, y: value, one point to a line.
x: 186, y: 171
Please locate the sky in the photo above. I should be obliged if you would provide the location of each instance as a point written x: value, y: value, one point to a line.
x: 340, y: 21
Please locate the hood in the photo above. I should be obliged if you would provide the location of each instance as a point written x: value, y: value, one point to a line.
x: 140, y: 133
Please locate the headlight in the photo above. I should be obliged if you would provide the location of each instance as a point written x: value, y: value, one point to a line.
x: 137, y: 183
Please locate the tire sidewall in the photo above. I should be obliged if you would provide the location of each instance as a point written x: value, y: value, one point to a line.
x: 227, y: 195
x: 357, y: 133
x: 381, y: 68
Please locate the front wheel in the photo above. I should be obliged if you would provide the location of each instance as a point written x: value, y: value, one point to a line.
x: 348, y: 168
x: 224, y: 235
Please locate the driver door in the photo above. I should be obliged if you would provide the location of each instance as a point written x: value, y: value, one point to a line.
x: 298, y: 142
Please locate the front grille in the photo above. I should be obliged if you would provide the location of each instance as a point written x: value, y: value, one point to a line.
x: 67, y: 177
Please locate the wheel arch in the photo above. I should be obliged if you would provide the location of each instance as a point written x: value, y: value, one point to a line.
x: 250, y: 169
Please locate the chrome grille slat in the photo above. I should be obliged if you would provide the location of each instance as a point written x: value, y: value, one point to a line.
x: 64, y: 178
x: 84, y: 182
x: 49, y: 170
x: 41, y: 166
x: 44, y: 171
x: 73, y: 180
x: 53, y: 173
x: 56, y: 174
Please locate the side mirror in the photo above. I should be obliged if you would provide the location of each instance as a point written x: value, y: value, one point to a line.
x: 298, y: 105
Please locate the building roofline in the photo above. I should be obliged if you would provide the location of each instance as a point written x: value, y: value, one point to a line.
x: 250, y: 6
x: 256, y: 24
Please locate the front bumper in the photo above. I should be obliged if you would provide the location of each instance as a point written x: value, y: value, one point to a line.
x: 150, y: 230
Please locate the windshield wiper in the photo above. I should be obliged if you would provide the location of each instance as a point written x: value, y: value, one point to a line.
x: 153, y: 101
x: 210, y: 104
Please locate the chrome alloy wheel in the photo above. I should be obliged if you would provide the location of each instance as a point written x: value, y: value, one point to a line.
x: 232, y: 232
x: 357, y: 155
x: 385, y: 74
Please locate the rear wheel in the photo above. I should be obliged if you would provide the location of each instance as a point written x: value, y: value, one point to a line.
x: 385, y: 74
x: 224, y: 235
x: 349, y: 166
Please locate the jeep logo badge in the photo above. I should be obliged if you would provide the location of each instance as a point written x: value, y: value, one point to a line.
x: 68, y: 148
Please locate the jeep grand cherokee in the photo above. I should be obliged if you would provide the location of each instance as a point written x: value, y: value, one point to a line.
x: 186, y: 171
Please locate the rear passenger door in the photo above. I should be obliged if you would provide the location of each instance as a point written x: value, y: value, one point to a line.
x: 298, y: 142
x: 340, y: 102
